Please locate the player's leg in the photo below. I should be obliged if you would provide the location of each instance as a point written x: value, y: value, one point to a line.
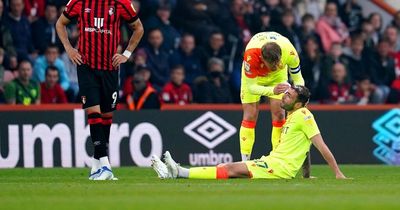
x: 107, y: 121
x: 108, y: 103
x: 222, y: 171
x: 247, y: 129
x: 90, y: 97
x: 278, y: 119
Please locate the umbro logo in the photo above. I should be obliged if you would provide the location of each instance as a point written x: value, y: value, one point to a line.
x: 210, y: 130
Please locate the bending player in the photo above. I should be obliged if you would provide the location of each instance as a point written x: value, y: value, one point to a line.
x: 267, y: 59
x: 298, y: 132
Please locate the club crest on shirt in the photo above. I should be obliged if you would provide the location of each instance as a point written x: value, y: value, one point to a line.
x: 111, y: 11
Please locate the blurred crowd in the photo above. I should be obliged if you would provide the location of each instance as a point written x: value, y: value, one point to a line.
x: 192, y: 51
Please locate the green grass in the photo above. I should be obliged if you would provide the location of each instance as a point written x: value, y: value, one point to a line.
x: 373, y: 187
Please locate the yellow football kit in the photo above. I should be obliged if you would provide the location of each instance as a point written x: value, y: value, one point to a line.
x: 288, y: 157
x: 257, y: 79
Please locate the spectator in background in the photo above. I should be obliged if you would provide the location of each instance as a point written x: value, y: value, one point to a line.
x: 51, y: 58
x: 143, y: 96
x: 363, y: 91
x: 43, y: 30
x: 157, y: 58
x: 391, y: 34
x: 197, y: 16
x: 128, y: 87
x: 162, y: 21
x: 330, y: 27
x: 6, y: 40
x: 376, y: 21
x: 396, y: 21
x: 188, y: 56
x: 23, y: 90
x: 34, y: 9
x: 20, y: 30
x: 238, y: 22
x: 335, y: 55
x: 176, y: 91
x: 50, y: 91
x: 264, y: 20
x: 355, y: 59
x: 312, y: 7
x: 311, y: 65
x: 289, y: 29
x: 367, y: 32
x: 351, y: 15
x: 275, y: 11
x: 215, y: 47
x: 214, y: 88
x: 307, y: 30
x: 338, y: 89
x: 382, y: 71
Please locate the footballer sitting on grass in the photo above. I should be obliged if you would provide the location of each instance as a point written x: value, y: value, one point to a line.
x: 298, y: 132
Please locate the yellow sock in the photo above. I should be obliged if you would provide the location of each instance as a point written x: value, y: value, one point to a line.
x: 247, y: 137
x: 276, y: 133
x: 203, y: 173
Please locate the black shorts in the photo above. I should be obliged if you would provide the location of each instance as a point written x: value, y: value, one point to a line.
x: 98, y: 87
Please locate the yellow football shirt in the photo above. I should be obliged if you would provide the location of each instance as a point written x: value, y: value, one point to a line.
x: 289, y: 155
x: 257, y: 79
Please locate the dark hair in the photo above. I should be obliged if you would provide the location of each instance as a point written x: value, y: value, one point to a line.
x: 306, y: 17
x: 303, y: 94
x: 23, y: 61
x: 179, y: 66
x: 49, y: 46
x: 51, y: 68
x: 271, y: 53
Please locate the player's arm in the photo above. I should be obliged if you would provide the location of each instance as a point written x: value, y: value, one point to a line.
x: 257, y: 89
x: 138, y: 31
x: 327, y: 154
x: 293, y: 62
x: 61, y: 27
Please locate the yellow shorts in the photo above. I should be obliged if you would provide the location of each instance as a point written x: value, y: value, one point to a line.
x: 265, y: 169
x: 273, y: 79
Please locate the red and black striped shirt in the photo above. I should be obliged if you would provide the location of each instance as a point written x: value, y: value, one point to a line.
x: 99, y: 23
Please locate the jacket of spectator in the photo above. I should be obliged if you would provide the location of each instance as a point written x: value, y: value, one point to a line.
x: 189, y: 57
x: 144, y: 96
x: 20, y: 29
x: 162, y: 22
x: 50, y: 91
x: 330, y: 27
x: 34, y: 9
x: 23, y: 90
x: 44, y: 31
x: 157, y: 58
x: 213, y: 88
x: 41, y: 65
x: 176, y: 91
x: 6, y: 41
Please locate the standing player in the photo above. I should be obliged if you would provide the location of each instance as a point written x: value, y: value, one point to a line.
x: 98, y: 63
x: 266, y: 61
x: 299, y: 131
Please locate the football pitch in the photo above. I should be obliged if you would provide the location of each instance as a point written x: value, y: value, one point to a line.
x: 373, y: 187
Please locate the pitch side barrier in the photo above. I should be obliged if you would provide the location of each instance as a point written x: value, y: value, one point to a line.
x: 58, y: 135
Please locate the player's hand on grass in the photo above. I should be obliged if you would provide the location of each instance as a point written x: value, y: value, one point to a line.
x: 281, y: 88
x: 74, y: 55
x: 118, y: 59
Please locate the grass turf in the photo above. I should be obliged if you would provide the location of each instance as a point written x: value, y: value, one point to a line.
x: 373, y: 187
